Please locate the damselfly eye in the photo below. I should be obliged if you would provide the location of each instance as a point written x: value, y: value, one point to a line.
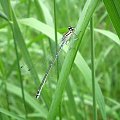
x: 70, y: 28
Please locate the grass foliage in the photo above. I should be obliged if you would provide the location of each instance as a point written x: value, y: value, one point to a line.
x: 84, y: 83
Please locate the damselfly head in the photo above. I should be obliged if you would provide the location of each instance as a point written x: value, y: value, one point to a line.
x: 71, y: 28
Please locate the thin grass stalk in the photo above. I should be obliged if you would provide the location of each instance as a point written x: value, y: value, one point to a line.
x: 20, y: 76
x: 56, y: 44
x: 56, y: 40
x: 1, y: 116
x: 93, y: 69
x: 18, y: 64
x: 29, y: 8
x: 7, y: 98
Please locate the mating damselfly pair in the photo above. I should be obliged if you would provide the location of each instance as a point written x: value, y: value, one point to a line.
x: 65, y: 39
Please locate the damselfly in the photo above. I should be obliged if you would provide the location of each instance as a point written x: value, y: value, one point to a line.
x: 65, y: 39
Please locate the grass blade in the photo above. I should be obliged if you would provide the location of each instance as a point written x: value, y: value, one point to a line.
x: 113, y: 9
x: 93, y: 69
x: 79, y: 60
x: 81, y: 26
x: 10, y: 114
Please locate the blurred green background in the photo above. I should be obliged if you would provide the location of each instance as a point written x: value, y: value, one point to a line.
x: 36, y: 48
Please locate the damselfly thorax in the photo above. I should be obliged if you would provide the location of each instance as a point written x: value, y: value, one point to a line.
x: 68, y: 34
x: 65, y: 39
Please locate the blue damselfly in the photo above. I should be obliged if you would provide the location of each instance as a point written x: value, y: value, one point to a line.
x: 65, y: 39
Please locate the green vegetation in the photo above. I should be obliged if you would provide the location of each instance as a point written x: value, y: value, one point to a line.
x: 84, y: 83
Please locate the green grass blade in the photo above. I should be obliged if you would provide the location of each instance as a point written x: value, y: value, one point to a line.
x: 30, y: 100
x: 18, y: 36
x: 40, y: 26
x: 56, y: 38
x: 20, y: 42
x: 71, y: 101
x: 93, y: 69
x: 2, y: 15
x: 82, y: 24
x: 79, y: 61
x: 110, y: 35
x: 6, y: 8
x: 10, y: 114
x: 20, y: 77
x: 44, y: 12
x: 113, y: 9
